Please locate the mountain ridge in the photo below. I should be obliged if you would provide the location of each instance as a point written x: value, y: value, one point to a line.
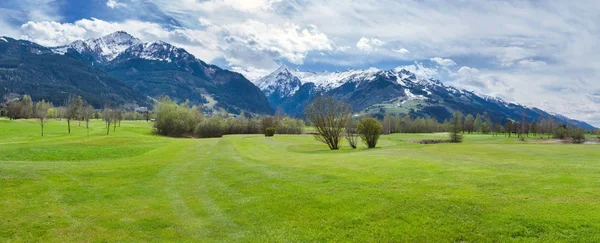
x: 375, y: 91
x: 159, y: 68
x: 29, y: 68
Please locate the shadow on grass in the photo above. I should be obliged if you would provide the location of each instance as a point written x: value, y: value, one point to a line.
x: 323, y: 149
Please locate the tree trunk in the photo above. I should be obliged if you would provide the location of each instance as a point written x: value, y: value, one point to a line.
x: 69, y: 124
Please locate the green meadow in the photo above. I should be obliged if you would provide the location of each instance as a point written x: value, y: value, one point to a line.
x: 133, y: 186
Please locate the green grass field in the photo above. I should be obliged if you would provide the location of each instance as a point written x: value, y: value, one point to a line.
x: 132, y: 186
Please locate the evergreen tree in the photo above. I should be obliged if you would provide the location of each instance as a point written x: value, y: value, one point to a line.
x: 456, y: 128
x: 478, y: 124
x: 469, y: 123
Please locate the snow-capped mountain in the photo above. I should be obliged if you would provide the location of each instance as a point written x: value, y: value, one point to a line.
x: 28, y: 68
x: 377, y: 92
x: 103, y: 49
x: 158, y: 68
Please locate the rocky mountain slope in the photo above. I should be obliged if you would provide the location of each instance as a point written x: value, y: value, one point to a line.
x: 159, y: 68
x: 28, y: 68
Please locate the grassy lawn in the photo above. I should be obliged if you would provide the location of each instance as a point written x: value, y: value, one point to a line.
x: 132, y: 186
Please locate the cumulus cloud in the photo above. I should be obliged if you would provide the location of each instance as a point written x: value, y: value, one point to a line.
x: 368, y: 45
x: 534, y: 64
x: 443, y: 62
x: 420, y: 70
x: 289, y: 41
x: 49, y: 33
x: 114, y: 4
x: 243, y: 6
x: 249, y: 45
x: 402, y: 51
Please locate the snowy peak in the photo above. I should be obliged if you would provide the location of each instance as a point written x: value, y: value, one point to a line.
x: 103, y: 49
x: 281, y: 83
x: 156, y: 51
x: 110, y: 46
x: 123, y: 46
x: 332, y: 80
x: 325, y: 81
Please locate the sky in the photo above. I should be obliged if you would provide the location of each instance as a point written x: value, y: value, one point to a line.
x: 544, y: 54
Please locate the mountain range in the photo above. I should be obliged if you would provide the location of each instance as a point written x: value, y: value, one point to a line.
x: 145, y: 71
x: 120, y: 69
x: 378, y: 92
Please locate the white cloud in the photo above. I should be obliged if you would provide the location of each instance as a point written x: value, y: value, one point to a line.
x: 402, y: 51
x: 420, y: 70
x: 520, y: 49
x: 114, y: 4
x: 252, y: 73
x: 288, y: 41
x: 530, y: 63
x: 443, y: 62
x: 250, y: 45
x: 243, y: 6
x: 203, y: 44
x: 368, y: 45
x: 204, y: 22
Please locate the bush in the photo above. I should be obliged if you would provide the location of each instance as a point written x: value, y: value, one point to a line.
x: 290, y: 126
x: 369, y: 129
x: 175, y: 120
x: 213, y: 127
x: 269, y: 132
x: 267, y: 122
x: 578, y: 135
x: 351, y: 135
x: 561, y: 133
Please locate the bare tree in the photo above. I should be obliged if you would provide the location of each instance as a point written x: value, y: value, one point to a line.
x: 108, y: 116
x: 351, y: 133
x: 117, y: 114
x: 74, y: 106
x: 87, y: 112
x: 387, y: 124
x: 329, y: 116
x: 508, y: 127
x: 41, y: 112
x: 550, y: 126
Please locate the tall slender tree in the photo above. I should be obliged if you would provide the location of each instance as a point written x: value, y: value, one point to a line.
x: 469, y: 123
x: 87, y: 113
x: 107, y: 115
x: 74, y: 106
x: 41, y: 112
x: 478, y: 124
x: 456, y: 128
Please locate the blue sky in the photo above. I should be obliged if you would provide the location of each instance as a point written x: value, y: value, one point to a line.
x: 537, y: 53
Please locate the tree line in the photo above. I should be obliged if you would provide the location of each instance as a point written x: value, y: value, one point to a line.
x: 332, y: 119
x: 186, y: 120
x: 74, y: 109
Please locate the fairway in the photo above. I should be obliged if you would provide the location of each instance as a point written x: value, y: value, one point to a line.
x: 133, y: 186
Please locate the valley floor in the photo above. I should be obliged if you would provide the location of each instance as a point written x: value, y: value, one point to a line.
x: 134, y: 186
